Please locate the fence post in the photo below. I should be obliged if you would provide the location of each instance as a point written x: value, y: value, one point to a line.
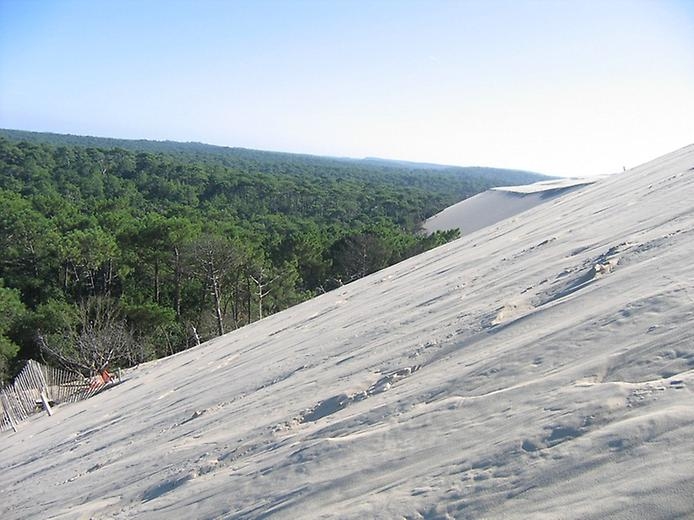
x: 44, y: 400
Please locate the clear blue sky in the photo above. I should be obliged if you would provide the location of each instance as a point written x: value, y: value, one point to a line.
x: 562, y: 87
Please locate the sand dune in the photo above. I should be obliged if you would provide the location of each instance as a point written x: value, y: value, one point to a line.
x: 497, y: 204
x: 542, y: 368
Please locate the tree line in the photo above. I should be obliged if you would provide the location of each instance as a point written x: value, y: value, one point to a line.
x: 115, y: 256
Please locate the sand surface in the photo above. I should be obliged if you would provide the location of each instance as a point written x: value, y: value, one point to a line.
x: 540, y: 368
x: 497, y: 204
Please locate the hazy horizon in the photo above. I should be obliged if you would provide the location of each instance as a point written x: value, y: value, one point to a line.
x: 553, y: 87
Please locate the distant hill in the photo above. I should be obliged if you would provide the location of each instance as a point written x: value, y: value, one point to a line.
x: 244, y: 158
x: 481, y: 171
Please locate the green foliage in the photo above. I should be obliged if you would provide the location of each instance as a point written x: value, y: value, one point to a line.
x: 11, y: 312
x: 185, y: 241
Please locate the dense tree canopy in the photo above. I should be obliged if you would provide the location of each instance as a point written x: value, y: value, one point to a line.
x: 181, y: 242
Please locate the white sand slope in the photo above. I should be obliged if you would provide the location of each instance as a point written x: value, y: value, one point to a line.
x: 543, y: 369
x: 497, y: 204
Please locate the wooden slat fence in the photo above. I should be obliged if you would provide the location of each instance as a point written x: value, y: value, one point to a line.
x: 38, y: 387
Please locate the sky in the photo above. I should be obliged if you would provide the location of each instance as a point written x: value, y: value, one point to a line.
x: 571, y: 88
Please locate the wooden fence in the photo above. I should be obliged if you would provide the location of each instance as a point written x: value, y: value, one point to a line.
x: 39, y: 387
